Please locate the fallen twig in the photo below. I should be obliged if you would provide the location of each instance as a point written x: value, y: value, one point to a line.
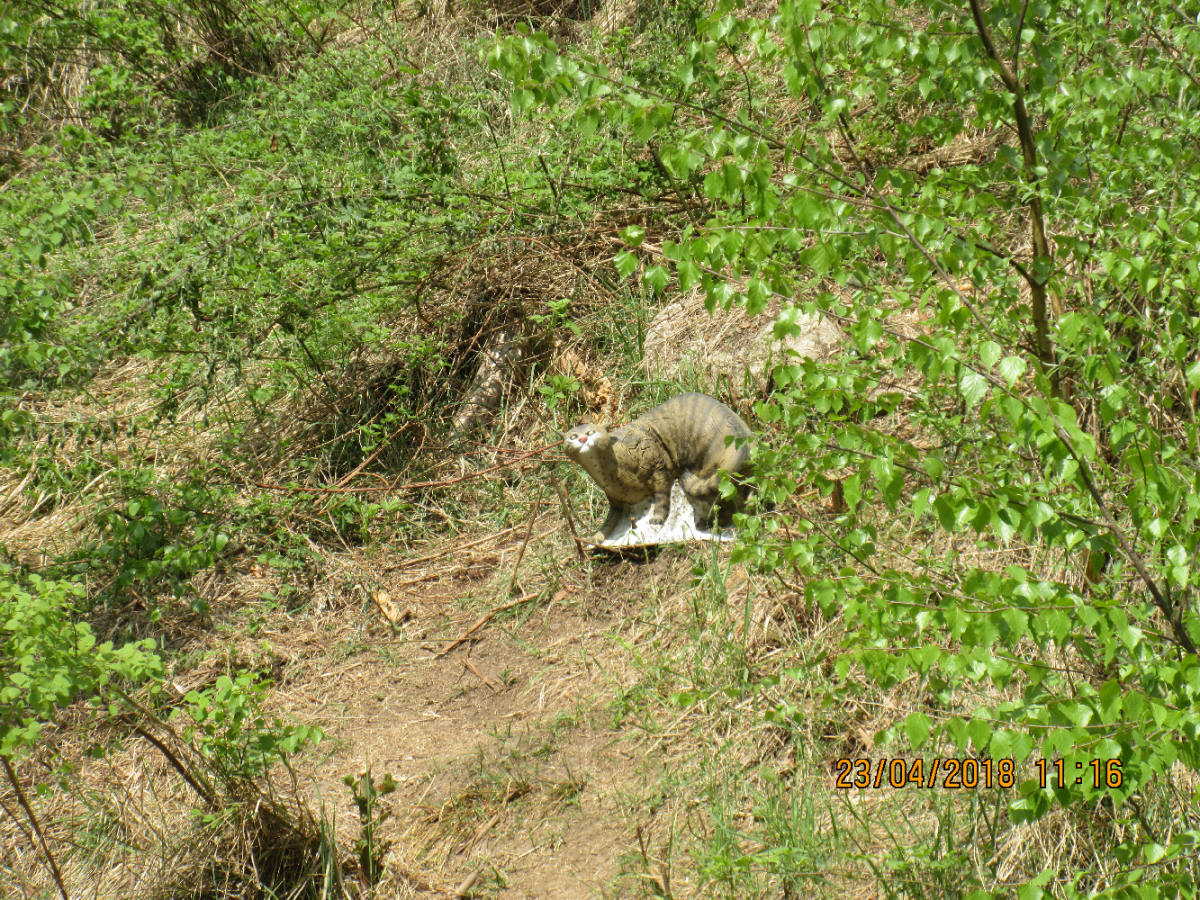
x: 464, y: 889
x: 37, y: 828
x: 409, y: 563
x: 525, y: 543
x: 484, y: 620
x: 480, y: 832
x: 562, y: 498
x: 475, y: 671
x: 383, y: 445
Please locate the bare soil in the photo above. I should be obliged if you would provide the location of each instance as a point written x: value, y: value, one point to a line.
x: 510, y: 764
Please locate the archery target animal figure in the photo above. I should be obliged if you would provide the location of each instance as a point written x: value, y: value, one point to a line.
x: 684, y: 439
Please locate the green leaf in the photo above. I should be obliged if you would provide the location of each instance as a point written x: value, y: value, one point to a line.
x: 1011, y: 369
x: 1033, y: 890
x: 688, y: 273
x: 588, y: 123
x: 852, y: 491
x: 632, y: 235
x: 656, y: 278
x: 989, y: 353
x: 1193, y: 376
x: 973, y: 387
x: 917, y: 727
x: 1038, y: 513
x: 821, y: 258
x: 920, y: 502
x: 757, y: 297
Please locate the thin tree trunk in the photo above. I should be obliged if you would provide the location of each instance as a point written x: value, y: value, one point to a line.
x: 1039, y: 296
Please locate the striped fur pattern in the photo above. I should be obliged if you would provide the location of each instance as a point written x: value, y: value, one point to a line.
x: 684, y: 438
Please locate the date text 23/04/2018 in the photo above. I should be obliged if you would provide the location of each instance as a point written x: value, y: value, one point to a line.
x: 950, y: 773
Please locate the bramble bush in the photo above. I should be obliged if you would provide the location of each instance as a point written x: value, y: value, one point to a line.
x: 49, y: 659
x: 221, y: 742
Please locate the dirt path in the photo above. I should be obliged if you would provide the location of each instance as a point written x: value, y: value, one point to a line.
x: 504, y: 749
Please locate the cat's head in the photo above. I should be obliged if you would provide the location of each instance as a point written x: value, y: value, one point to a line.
x: 585, y: 439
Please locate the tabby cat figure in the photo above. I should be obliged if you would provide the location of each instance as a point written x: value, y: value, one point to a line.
x: 685, y: 439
